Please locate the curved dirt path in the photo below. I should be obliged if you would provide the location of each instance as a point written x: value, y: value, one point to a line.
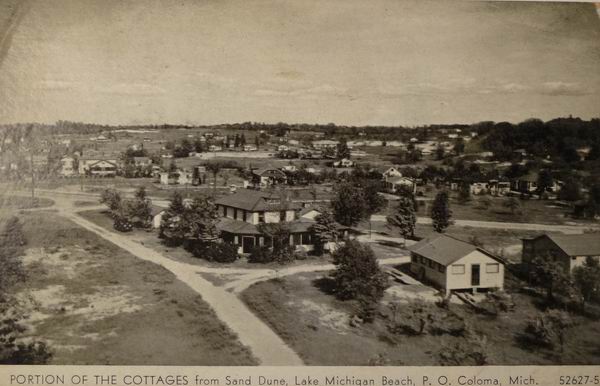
x: 265, y: 344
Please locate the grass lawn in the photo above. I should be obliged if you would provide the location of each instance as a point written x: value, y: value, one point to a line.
x: 94, y: 303
x: 316, y: 326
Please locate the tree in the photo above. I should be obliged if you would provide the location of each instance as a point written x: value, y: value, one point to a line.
x: 172, y: 228
x: 440, y: 212
x: 12, y: 241
x: 459, y: 146
x: 586, y: 279
x: 278, y: 235
x: 512, y: 204
x: 342, y: 150
x: 358, y: 275
x: 112, y: 199
x: 325, y: 230
x: 549, y: 274
x: 544, y: 182
x: 404, y: 217
x: 140, y: 209
x: 214, y: 168
x: 200, y: 221
x: 464, y: 193
x: 548, y: 328
x: 349, y: 205
x: 571, y: 190
x: 440, y: 152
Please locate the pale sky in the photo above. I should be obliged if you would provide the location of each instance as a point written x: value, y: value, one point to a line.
x: 367, y: 62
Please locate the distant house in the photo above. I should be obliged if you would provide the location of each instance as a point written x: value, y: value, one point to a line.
x: 98, y: 167
x: 391, y: 172
x: 215, y: 148
x: 243, y: 211
x: 454, y: 265
x: 179, y: 177
x: 142, y: 161
x: 395, y: 144
x: 283, y: 148
x: 396, y: 184
x: 343, y: 163
x: 262, y: 178
x: 289, y: 168
x: 570, y: 250
x: 499, y: 187
x: 67, y: 166
x: 325, y: 144
x: 249, y: 148
x: 525, y: 184
x: 478, y: 188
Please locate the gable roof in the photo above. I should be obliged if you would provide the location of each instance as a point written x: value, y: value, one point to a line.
x: 445, y: 250
x: 587, y: 244
x: 255, y: 200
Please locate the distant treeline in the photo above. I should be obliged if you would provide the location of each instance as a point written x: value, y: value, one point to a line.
x: 557, y: 138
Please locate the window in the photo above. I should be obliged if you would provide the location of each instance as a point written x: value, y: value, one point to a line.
x: 458, y: 269
x: 224, y: 211
x: 296, y: 237
x: 261, y: 217
x: 282, y: 215
x: 492, y: 268
x: 243, y: 215
x: 414, y: 258
x: 235, y: 213
x: 441, y: 268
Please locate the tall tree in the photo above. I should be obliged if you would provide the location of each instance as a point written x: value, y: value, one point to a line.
x: 349, y: 205
x: 325, y: 231
x: 440, y: 212
x: 358, y: 276
x: 586, y: 279
x: 404, y: 217
x: 550, y: 274
x: 544, y: 182
x: 342, y: 150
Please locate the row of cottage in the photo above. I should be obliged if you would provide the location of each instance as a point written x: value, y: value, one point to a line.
x: 447, y: 263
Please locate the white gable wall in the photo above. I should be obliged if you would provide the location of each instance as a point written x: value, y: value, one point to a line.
x: 463, y: 281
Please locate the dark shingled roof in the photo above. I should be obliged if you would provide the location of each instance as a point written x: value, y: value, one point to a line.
x: 445, y: 250
x: 237, y: 227
x: 587, y: 244
x: 255, y: 200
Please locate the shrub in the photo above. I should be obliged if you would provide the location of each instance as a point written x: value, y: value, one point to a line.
x: 122, y: 224
x: 217, y: 252
x: 469, y: 353
x: 261, y: 255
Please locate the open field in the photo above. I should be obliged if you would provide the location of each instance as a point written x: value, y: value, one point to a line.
x: 97, y: 304
x: 316, y: 325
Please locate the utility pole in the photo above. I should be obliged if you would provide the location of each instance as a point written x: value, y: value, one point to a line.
x: 32, y: 176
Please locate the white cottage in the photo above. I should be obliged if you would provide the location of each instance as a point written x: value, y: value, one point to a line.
x: 454, y: 265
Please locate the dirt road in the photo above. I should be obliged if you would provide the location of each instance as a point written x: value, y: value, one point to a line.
x: 266, y: 345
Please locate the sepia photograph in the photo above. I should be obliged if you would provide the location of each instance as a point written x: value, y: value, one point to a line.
x: 299, y: 183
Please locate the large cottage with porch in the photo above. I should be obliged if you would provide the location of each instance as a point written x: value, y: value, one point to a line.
x: 244, y: 211
x: 455, y: 265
